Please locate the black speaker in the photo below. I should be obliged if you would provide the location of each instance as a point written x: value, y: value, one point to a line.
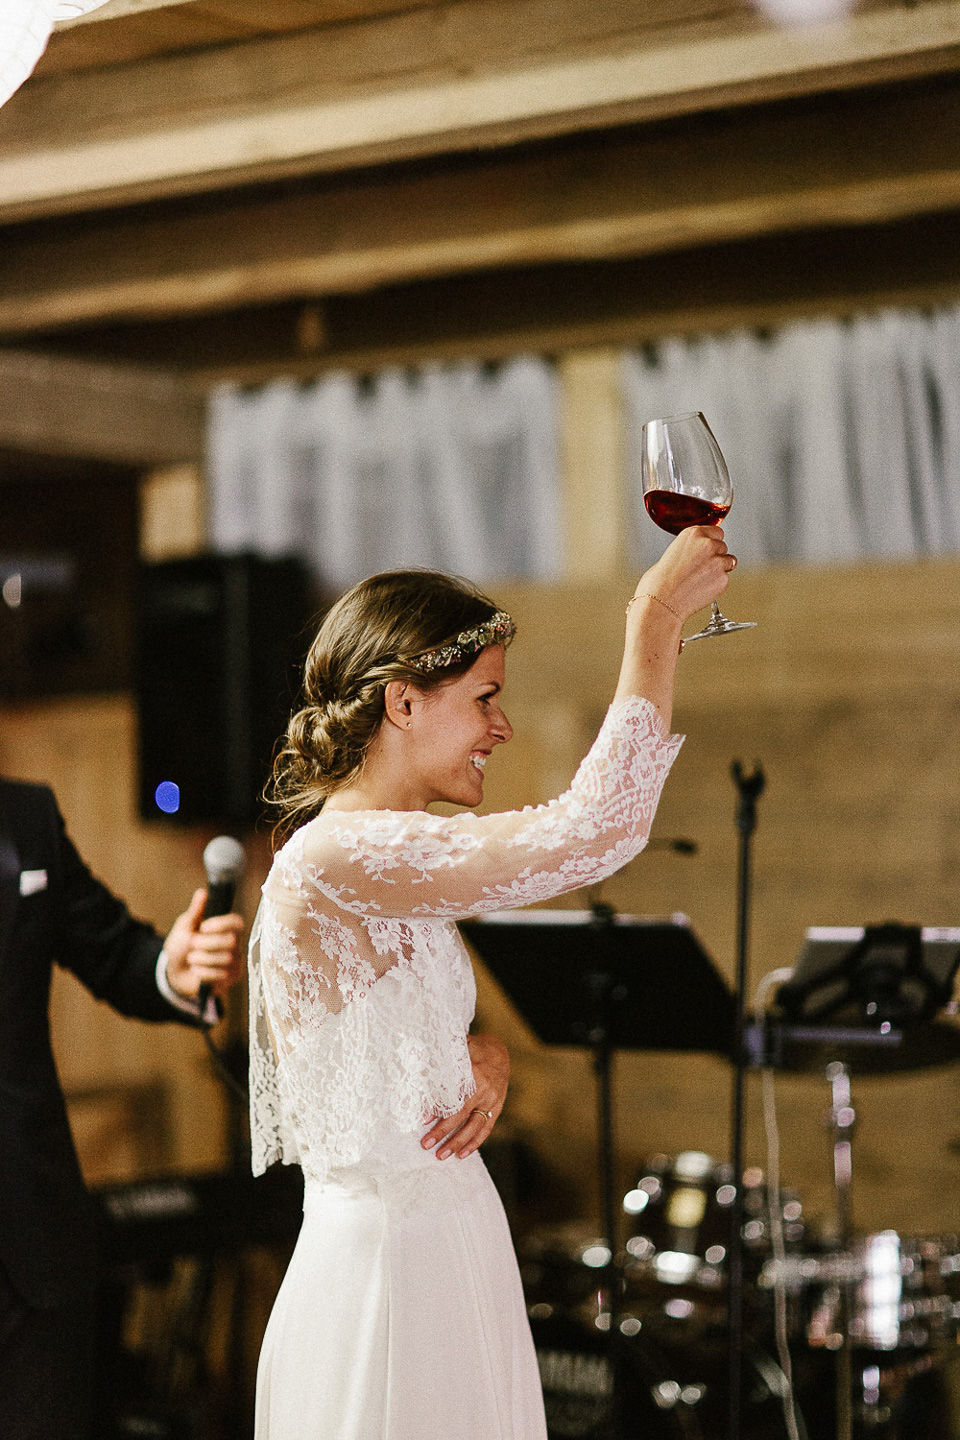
x: 221, y: 642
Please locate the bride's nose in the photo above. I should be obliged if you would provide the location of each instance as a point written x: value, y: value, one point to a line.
x: 502, y: 729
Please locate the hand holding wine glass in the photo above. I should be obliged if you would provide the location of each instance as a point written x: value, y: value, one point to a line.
x: 686, y: 482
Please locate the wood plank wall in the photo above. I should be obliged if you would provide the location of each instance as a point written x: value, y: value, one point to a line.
x: 848, y: 693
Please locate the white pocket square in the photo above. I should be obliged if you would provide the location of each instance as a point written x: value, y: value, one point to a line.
x: 32, y: 880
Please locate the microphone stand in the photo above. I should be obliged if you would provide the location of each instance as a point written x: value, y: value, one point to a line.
x: 749, y: 789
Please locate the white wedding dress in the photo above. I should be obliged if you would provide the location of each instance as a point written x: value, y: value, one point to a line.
x: 401, y: 1316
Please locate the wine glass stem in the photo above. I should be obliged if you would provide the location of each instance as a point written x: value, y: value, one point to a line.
x: 716, y: 610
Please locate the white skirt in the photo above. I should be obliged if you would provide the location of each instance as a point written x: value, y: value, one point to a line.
x: 401, y: 1316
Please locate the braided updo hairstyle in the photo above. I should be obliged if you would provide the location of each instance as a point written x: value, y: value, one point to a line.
x: 367, y: 639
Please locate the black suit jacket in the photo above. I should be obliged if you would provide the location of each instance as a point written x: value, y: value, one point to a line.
x: 67, y: 917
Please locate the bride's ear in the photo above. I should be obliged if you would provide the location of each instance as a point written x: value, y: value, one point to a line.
x: 398, y: 703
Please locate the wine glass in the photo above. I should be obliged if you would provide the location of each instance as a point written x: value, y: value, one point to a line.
x: 686, y: 482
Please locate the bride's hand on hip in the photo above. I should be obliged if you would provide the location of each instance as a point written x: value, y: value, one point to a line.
x: 463, y: 1133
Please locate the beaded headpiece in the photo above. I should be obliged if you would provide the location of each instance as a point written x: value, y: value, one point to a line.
x: 498, y: 630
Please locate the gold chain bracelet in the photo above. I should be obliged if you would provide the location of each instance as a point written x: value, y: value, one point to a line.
x: 649, y: 595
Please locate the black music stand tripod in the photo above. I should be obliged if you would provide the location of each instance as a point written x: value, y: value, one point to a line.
x: 606, y: 982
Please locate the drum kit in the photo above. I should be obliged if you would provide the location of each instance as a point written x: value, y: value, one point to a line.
x: 843, y: 1336
x: 900, y: 1296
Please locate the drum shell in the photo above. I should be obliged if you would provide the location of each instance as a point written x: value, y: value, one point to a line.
x: 680, y: 1214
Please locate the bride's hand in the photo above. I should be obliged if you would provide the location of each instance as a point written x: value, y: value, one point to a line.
x: 691, y: 572
x: 463, y: 1133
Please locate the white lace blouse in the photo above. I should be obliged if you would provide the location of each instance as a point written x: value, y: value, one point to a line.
x: 361, y: 991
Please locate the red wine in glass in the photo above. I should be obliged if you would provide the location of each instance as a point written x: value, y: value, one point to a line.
x: 674, y: 511
x: 686, y: 482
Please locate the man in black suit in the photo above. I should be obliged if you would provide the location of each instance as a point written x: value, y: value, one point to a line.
x: 53, y: 910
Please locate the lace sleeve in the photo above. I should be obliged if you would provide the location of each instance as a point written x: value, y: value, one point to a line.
x: 381, y: 863
x: 270, y: 1136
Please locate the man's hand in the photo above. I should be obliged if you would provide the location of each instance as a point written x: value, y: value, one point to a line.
x: 203, y: 952
x: 463, y: 1133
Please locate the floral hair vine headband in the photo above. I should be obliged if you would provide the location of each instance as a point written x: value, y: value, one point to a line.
x: 498, y: 630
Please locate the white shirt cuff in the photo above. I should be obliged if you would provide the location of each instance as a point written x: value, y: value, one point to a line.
x: 210, y: 1015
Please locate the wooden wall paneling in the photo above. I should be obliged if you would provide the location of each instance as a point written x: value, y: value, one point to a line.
x: 593, y: 464
x: 173, y: 512
x: 121, y: 1130
x: 60, y: 406
x: 848, y: 693
x: 446, y: 78
x: 699, y: 181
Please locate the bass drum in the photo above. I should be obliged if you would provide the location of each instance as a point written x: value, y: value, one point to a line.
x: 673, y: 1379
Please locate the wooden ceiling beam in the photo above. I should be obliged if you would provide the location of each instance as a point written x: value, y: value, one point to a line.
x: 132, y: 31
x: 58, y: 405
x: 695, y: 181
x: 445, y: 78
x: 552, y: 308
x: 117, y: 10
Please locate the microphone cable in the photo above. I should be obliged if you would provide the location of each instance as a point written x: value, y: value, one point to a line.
x: 796, y: 1429
x: 222, y: 1068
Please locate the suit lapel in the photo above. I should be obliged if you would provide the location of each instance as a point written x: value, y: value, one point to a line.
x: 9, y: 876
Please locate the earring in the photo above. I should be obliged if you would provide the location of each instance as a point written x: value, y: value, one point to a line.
x: 409, y: 723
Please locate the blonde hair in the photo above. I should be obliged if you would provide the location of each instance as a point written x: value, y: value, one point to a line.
x: 369, y: 637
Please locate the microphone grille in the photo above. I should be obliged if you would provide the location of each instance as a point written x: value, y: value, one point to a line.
x: 223, y: 859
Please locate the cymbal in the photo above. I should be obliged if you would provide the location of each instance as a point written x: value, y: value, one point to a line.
x: 809, y: 1049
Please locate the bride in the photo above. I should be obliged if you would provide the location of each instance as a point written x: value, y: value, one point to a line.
x: 401, y: 1316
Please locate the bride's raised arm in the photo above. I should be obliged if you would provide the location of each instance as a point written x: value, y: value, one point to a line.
x: 389, y: 863
x: 411, y: 863
x: 693, y: 571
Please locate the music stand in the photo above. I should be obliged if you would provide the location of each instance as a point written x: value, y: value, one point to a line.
x: 670, y: 996
x: 607, y: 982
x: 872, y: 975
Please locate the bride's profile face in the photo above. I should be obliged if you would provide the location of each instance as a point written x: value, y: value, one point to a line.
x: 456, y: 727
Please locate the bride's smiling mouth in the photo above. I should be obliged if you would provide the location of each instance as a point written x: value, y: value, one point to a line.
x: 478, y: 759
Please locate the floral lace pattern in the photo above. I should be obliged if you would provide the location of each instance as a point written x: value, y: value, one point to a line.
x: 361, y: 991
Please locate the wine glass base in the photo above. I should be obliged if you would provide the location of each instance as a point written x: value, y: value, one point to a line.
x: 719, y: 625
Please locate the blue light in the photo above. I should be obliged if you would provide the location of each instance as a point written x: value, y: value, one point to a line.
x: 167, y: 796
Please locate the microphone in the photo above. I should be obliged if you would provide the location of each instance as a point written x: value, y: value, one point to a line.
x: 223, y: 861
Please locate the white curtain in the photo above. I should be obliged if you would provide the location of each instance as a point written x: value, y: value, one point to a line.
x: 449, y: 466
x: 842, y: 437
